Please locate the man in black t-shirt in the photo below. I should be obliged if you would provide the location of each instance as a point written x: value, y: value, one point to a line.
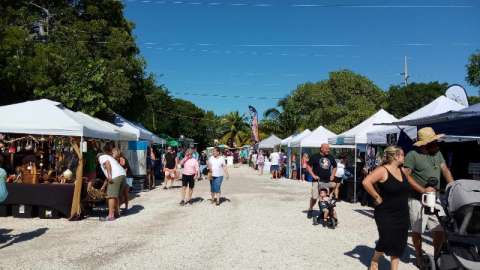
x: 170, y: 161
x: 322, y: 167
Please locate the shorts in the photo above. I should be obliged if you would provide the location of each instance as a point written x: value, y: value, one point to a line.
x: 339, y: 180
x: 114, y: 189
x: 170, y: 172
x: 316, y: 186
x: 274, y: 168
x: 188, y: 180
x: 323, y: 206
x: 215, y: 184
x: 419, y: 221
x: 202, y: 169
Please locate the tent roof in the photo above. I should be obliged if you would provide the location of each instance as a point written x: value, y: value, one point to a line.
x: 46, y: 117
x: 319, y: 136
x: 124, y: 124
x: 445, y: 113
x: 287, y: 140
x: 270, y: 142
x: 358, y: 134
x: 433, y: 110
x: 122, y: 134
x: 295, y: 142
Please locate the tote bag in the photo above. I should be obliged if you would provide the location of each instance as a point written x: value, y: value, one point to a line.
x: 3, y: 185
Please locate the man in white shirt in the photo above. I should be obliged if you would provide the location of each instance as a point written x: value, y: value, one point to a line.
x: 115, y: 180
x: 275, y: 164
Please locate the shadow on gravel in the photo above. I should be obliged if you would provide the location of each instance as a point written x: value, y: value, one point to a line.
x: 315, y: 213
x: 367, y: 213
x: 133, y: 210
x: 365, y: 253
x: 5, y: 237
x: 224, y: 199
x: 196, y: 200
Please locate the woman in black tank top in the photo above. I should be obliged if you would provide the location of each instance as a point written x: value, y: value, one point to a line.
x: 391, y: 211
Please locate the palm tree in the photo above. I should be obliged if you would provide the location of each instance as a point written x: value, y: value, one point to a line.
x: 235, y: 128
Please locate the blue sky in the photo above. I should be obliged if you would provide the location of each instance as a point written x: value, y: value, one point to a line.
x: 260, y: 50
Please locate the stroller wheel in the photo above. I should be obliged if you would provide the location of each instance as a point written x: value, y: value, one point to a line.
x: 428, y: 262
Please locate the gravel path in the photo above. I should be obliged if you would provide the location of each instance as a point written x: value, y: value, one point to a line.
x: 261, y: 225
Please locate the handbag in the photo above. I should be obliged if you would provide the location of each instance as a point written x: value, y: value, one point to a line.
x: 3, y: 185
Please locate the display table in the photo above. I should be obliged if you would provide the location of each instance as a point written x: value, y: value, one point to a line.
x: 55, y: 196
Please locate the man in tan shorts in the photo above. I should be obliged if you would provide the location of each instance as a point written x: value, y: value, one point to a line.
x: 424, y: 163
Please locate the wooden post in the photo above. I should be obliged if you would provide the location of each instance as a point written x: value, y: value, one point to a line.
x: 76, y: 200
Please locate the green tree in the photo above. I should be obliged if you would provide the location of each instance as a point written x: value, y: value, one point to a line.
x: 403, y: 100
x: 338, y: 103
x: 473, y: 70
x: 235, y: 129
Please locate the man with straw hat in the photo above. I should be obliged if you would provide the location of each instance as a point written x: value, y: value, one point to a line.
x: 424, y: 163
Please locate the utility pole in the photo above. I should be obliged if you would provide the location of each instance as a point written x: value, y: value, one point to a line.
x: 405, y: 72
x: 47, y: 13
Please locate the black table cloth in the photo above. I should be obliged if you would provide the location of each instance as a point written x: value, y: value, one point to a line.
x: 56, y: 196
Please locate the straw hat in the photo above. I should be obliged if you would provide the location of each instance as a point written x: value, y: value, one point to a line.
x: 427, y: 135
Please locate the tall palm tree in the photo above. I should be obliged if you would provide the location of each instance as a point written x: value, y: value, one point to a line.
x: 235, y: 128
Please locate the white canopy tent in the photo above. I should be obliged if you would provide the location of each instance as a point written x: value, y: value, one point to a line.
x: 358, y: 135
x: 286, y: 141
x: 46, y: 117
x: 295, y: 141
x: 440, y: 105
x: 315, y: 139
x: 270, y: 142
x: 123, y: 135
x: 140, y: 133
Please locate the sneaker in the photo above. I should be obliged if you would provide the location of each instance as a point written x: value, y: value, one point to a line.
x: 217, y: 203
x: 182, y: 203
x: 165, y: 187
x: 310, y: 214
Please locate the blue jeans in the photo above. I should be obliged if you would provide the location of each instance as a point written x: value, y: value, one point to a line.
x: 215, y: 184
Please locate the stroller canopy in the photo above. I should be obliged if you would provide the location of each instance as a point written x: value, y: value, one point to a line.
x: 461, y: 193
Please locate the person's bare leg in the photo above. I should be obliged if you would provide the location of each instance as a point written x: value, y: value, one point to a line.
x: 312, y: 203
x: 337, y: 190
x: 125, y: 197
x: 394, y: 261
x: 374, y: 262
x: 184, y: 189
x: 438, y: 238
x: 111, y: 207
x: 117, y: 206
x: 190, y: 193
x: 417, y: 244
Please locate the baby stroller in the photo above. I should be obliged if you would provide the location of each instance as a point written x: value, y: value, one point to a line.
x: 331, y: 220
x: 461, y: 249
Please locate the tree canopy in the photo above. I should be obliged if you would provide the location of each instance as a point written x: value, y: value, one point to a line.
x: 473, y: 70
x: 339, y: 102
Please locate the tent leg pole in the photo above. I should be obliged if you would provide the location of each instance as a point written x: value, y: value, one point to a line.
x: 355, y: 177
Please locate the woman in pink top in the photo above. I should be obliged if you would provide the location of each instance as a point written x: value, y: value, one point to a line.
x: 190, y: 172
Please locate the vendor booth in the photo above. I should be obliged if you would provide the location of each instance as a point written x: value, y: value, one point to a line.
x: 315, y: 139
x: 270, y: 142
x: 389, y: 135
x: 43, y: 144
x: 356, y: 139
x: 461, y: 145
